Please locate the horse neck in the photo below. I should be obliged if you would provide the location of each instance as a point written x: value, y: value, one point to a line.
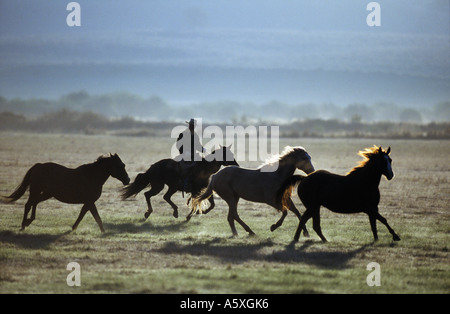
x: 368, y: 174
x: 100, y: 172
x: 285, y: 169
x: 212, y: 166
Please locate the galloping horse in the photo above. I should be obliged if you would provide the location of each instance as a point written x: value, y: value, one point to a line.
x: 167, y: 171
x: 257, y: 185
x: 353, y: 193
x: 82, y: 185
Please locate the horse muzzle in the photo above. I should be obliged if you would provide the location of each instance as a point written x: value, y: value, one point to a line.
x: 389, y: 175
x: 309, y: 169
x: 126, y: 181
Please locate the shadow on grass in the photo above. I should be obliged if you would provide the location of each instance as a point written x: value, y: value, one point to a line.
x: 147, y: 226
x: 322, y: 257
x: 30, y: 241
x: 318, y: 255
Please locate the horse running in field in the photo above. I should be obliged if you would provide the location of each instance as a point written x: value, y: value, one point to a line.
x: 82, y: 185
x: 168, y: 171
x: 353, y: 193
x: 257, y: 185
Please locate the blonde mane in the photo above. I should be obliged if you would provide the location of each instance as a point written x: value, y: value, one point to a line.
x: 288, y: 152
x: 367, y: 154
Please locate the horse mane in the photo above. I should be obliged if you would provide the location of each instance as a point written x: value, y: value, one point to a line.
x: 103, y: 157
x: 288, y: 152
x: 368, y: 154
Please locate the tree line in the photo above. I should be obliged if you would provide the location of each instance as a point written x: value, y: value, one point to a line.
x: 154, y: 108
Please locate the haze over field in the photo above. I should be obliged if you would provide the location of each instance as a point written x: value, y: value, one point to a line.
x: 191, y: 52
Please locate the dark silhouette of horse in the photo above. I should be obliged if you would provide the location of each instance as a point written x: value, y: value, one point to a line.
x: 82, y: 185
x: 355, y: 192
x: 257, y: 185
x: 168, y: 171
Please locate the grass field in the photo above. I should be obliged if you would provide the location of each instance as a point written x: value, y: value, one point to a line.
x: 168, y: 255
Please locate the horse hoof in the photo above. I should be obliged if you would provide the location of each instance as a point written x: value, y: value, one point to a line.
x: 175, y: 215
x: 396, y: 238
x: 146, y: 215
x: 273, y: 228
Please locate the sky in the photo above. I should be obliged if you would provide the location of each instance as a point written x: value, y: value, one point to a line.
x: 186, y: 51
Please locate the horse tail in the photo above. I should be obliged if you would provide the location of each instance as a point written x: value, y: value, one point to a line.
x: 22, y: 188
x: 285, y: 190
x: 141, y: 182
x: 196, y: 202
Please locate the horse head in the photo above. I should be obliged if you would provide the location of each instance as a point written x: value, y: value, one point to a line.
x: 117, y: 169
x: 384, y: 163
x: 378, y: 158
x: 227, y: 156
x: 302, y: 160
x: 224, y: 155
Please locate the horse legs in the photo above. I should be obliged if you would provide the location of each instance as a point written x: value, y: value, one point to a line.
x: 305, y: 217
x: 153, y: 191
x: 211, y: 204
x: 383, y: 220
x: 83, y: 211
x: 171, y: 191
x: 373, y: 224
x: 293, y: 209
x: 25, y: 221
x: 316, y: 225
x: 93, y: 209
x: 32, y: 202
x: 233, y: 215
x: 97, y: 218
x: 279, y: 222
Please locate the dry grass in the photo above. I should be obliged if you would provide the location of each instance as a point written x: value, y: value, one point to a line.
x: 168, y: 255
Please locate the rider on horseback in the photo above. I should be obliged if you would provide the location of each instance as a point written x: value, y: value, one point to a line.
x: 188, y: 144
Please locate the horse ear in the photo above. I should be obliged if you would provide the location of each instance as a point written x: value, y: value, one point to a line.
x: 110, y: 155
x: 220, y: 146
x: 388, y: 150
x: 380, y: 150
x: 229, y: 147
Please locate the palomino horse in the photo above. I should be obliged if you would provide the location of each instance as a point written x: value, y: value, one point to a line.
x: 257, y: 185
x: 353, y: 193
x: 82, y: 185
x: 167, y: 171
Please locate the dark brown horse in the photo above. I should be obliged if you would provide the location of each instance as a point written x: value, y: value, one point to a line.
x: 168, y: 172
x: 82, y: 185
x: 353, y: 193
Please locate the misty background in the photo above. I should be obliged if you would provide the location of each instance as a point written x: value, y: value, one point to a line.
x: 228, y: 61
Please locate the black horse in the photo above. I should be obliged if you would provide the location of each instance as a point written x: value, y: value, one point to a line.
x: 355, y: 192
x: 168, y: 171
x: 82, y: 185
